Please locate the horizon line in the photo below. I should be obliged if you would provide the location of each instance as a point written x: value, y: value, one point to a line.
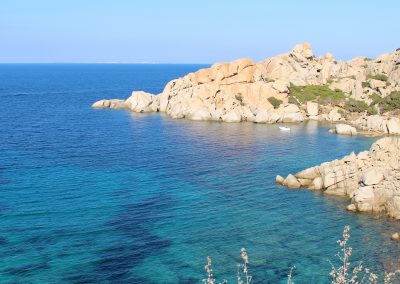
x: 138, y: 63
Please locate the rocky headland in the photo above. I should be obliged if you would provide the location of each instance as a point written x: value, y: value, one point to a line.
x: 290, y: 87
x: 371, y: 179
x: 360, y: 96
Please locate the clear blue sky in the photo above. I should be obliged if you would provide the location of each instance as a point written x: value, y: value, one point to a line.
x: 202, y: 31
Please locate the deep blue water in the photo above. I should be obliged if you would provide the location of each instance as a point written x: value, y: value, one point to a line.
x: 106, y: 196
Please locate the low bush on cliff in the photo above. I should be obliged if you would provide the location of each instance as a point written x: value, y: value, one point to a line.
x: 391, y: 102
x: 275, y: 102
x: 353, y: 105
x: 375, y: 98
x: 365, y: 84
x: 319, y: 93
x: 342, y: 273
x: 380, y: 77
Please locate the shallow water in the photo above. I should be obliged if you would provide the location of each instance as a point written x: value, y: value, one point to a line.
x: 105, y: 196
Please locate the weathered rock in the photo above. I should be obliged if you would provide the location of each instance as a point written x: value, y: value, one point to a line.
x: 143, y: 102
x: 376, y: 84
x: 292, y: 113
x: 281, y: 86
x: 114, y: 104
x: 370, y: 179
x: 312, y: 109
x: 393, y: 125
x: 201, y: 113
x: 279, y: 179
x: 292, y: 182
x: 232, y: 116
x: 317, y: 183
x: 334, y: 115
x: 261, y: 117
x: 351, y: 207
x: 345, y: 129
x: 101, y: 104
x: 395, y: 237
x: 244, y: 87
x: 372, y: 176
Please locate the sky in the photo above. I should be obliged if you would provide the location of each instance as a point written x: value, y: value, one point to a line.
x: 202, y: 31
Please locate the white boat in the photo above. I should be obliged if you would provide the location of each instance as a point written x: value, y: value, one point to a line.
x: 283, y: 128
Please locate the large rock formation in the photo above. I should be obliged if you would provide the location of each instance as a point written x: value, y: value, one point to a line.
x: 370, y: 179
x: 242, y: 90
x: 377, y: 123
x: 344, y: 129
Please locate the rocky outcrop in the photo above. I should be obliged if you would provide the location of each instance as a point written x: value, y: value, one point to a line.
x: 344, y: 129
x: 312, y: 110
x: 377, y: 123
x: 115, y: 104
x: 241, y: 90
x: 370, y: 179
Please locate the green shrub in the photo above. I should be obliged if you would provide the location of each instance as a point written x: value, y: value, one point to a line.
x: 375, y: 98
x: 391, y: 102
x: 293, y: 100
x: 353, y: 105
x: 365, y: 84
x: 372, y: 111
x: 269, y: 80
x: 380, y: 77
x: 319, y: 93
x: 275, y: 102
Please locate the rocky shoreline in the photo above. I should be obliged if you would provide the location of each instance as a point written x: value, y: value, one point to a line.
x: 271, y: 92
x: 361, y: 96
x: 371, y: 179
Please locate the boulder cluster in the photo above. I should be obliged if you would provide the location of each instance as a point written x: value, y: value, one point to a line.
x: 371, y: 179
x: 243, y: 90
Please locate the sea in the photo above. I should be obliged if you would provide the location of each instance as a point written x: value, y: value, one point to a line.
x: 111, y: 196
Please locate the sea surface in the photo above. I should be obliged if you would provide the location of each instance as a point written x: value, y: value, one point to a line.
x: 109, y: 196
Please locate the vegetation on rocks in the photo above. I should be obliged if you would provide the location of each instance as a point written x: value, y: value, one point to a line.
x: 318, y: 93
x: 365, y: 84
x: 388, y: 103
x: 391, y: 102
x: 353, y: 105
x: 375, y: 98
x: 380, y: 77
x: 275, y: 102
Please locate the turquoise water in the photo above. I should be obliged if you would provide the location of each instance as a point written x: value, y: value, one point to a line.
x: 105, y: 196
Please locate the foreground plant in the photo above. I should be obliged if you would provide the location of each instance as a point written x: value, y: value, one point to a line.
x: 344, y: 274
x: 243, y: 267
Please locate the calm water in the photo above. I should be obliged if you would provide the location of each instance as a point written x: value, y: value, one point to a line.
x: 104, y: 196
